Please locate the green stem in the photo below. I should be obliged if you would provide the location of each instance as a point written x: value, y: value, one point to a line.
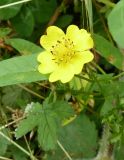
x: 103, y: 153
x: 119, y: 75
x: 6, y: 125
x: 104, y: 141
x: 31, y: 155
x: 15, y: 144
x: 30, y: 91
x: 66, y: 153
x: 4, y: 158
x: 13, y: 4
x: 97, y: 81
x: 98, y: 67
x: 81, y: 77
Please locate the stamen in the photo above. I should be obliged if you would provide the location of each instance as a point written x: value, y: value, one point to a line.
x: 58, y: 41
x: 63, y: 50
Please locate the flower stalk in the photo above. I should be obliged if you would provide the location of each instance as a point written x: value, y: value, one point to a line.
x: 105, y: 150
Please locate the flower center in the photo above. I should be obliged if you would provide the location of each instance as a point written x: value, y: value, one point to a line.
x: 63, y: 50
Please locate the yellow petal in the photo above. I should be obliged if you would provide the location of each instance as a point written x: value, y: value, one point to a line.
x: 84, y: 41
x: 45, y: 56
x: 47, y: 64
x: 81, y: 38
x: 72, y: 31
x: 78, y: 65
x: 64, y: 73
x: 86, y: 56
x: 54, y: 30
x: 53, y: 34
x: 80, y: 59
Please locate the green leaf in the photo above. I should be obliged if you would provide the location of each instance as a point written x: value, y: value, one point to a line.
x: 61, y: 109
x: 17, y: 154
x: 79, y: 138
x: 20, y: 70
x: 4, y: 32
x: 9, y: 12
x: 43, y: 10
x: 47, y: 119
x: 116, y: 23
x: 108, y: 51
x: 107, y: 106
x: 47, y: 132
x: 32, y: 120
x: 14, y: 96
x: 24, y: 22
x: 64, y: 21
x: 23, y: 46
x: 111, y: 91
x: 84, y: 135
x: 119, y: 151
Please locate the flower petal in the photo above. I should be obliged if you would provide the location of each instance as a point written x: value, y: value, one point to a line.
x: 53, y: 34
x: 86, y: 56
x: 80, y: 59
x: 81, y: 38
x: 64, y: 73
x: 78, y: 65
x: 47, y: 64
x: 84, y: 41
x: 72, y: 31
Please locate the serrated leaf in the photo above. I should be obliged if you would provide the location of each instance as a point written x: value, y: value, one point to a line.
x: 108, y: 51
x: 47, y: 132
x: 24, y: 22
x: 48, y: 121
x: 9, y: 12
x: 116, y: 23
x: 61, y: 110
x: 21, y: 69
x: 23, y: 46
x: 31, y: 121
x: 27, y: 125
x: 79, y: 138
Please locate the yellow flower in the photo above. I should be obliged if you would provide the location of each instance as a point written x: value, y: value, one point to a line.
x: 65, y: 54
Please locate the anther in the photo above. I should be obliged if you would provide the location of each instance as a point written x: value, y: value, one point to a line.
x: 58, y: 41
